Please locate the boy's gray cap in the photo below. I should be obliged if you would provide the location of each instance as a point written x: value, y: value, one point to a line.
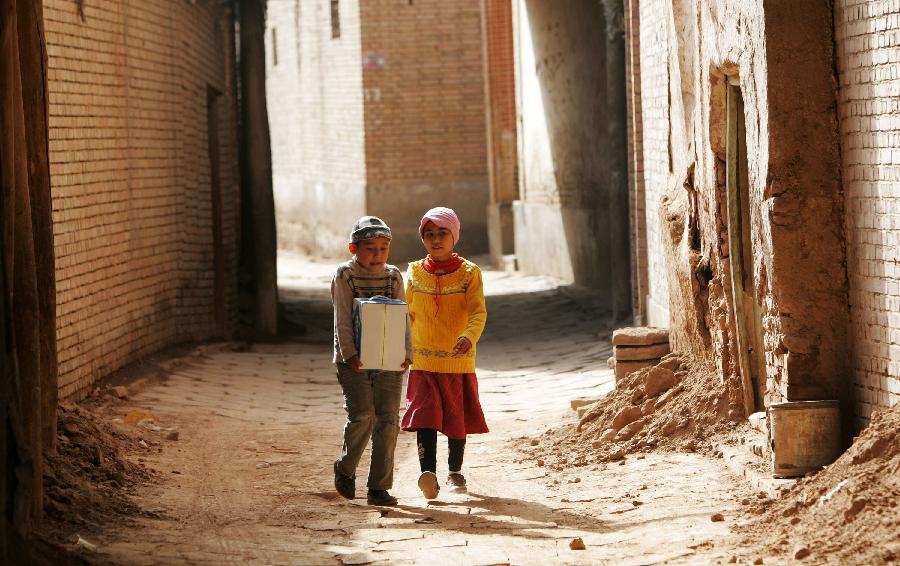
x: 369, y: 227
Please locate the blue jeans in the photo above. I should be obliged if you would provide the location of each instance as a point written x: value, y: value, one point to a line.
x: 372, y: 402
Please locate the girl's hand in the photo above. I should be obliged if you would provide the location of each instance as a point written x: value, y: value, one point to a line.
x: 463, y: 345
x: 355, y: 364
x: 406, y: 363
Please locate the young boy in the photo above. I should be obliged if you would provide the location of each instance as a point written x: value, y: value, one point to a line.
x: 371, y: 397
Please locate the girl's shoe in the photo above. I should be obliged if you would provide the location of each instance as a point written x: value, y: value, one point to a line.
x: 456, y: 483
x: 428, y: 483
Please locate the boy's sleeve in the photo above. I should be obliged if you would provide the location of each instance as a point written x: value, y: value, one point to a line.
x: 342, y: 299
x: 476, y: 308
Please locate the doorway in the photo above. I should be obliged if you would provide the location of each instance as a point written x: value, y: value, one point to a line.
x: 747, y: 311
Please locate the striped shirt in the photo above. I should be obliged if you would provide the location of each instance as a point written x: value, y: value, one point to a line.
x: 353, y: 281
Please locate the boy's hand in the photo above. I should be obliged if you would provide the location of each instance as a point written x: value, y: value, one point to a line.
x: 406, y: 363
x: 463, y: 345
x: 355, y: 364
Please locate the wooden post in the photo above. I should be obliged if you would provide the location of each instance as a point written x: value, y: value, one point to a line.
x: 746, y: 311
x: 33, y: 58
x: 27, y: 294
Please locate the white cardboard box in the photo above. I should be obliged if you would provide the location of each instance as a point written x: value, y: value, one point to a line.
x: 379, y: 325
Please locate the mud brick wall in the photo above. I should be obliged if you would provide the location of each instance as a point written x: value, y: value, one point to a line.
x: 867, y: 39
x: 425, y: 124
x: 315, y: 100
x: 777, y: 56
x: 130, y: 84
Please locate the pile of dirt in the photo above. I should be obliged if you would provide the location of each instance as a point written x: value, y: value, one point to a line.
x: 845, y: 514
x: 679, y: 404
x: 86, y: 481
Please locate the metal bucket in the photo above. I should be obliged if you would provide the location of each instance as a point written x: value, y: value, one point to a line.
x: 804, y: 435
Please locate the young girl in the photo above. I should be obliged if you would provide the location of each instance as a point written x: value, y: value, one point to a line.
x: 447, y: 313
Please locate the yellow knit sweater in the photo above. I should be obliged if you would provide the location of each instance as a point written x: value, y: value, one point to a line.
x: 437, y: 324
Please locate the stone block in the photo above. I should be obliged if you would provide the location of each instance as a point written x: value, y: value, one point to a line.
x: 628, y: 431
x: 657, y: 381
x: 651, y: 352
x: 585, y: 409
x: 624, y: 368
x: 581, y: 402
x: 625, y: 417
x: 640, y: 336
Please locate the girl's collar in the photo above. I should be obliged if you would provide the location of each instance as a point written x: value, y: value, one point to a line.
x: 433, y: 266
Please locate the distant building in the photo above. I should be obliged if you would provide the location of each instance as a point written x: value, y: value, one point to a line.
x: 376, y: 107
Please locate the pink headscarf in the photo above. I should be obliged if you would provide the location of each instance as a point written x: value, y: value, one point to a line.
x: 442, y: 217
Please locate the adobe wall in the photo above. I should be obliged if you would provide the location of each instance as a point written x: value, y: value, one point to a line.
x: 867, y: 39
x: 561, y: 221
x: 130, y: 172
x: 315, y: 97
x: 426, y: 136
x: 780, y: 55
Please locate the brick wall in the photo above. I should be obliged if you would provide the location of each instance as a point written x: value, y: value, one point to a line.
x: 500, y: 81
x: 652, y: 61
x: 426, y: 140
x: 638, y: 199
x: 315, y: 100
x: 129, y: 86
x: 867, y: 38
x: 384, y: 116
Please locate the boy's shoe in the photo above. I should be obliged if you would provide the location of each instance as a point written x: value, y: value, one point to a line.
x: 380, y: 497
x: 345, y: 485
x: 456, y: 483
x: 428, y: 483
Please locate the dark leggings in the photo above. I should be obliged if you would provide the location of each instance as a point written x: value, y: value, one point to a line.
x: 426, y: 438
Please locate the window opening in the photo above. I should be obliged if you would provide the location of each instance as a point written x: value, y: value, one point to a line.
x: 274, y: 47
x: 335, y: 19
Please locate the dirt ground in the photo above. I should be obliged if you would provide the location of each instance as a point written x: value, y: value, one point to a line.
x: 248, y: 478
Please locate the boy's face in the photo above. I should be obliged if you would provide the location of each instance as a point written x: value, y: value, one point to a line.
x: 438, y: 241
x: 372, y: 253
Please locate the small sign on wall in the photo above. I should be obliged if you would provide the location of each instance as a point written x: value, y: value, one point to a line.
x: 373, y: 61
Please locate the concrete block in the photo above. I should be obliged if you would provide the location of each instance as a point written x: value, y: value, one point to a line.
x: 640, y: 336
x: 623, y: 369
x: 651, y: 352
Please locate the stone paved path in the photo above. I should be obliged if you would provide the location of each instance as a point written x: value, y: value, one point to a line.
x: 249, y: 480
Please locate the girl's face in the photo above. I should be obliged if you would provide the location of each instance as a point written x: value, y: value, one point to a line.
x: 438, y: 241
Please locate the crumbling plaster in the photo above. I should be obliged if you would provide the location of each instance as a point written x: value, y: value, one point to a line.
x: 780, y: 55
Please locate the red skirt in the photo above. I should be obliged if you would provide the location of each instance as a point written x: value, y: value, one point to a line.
x: 447, y: 402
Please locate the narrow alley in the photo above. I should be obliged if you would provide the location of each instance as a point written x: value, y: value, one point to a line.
x: 685, y: 215
x: 249, y: 478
